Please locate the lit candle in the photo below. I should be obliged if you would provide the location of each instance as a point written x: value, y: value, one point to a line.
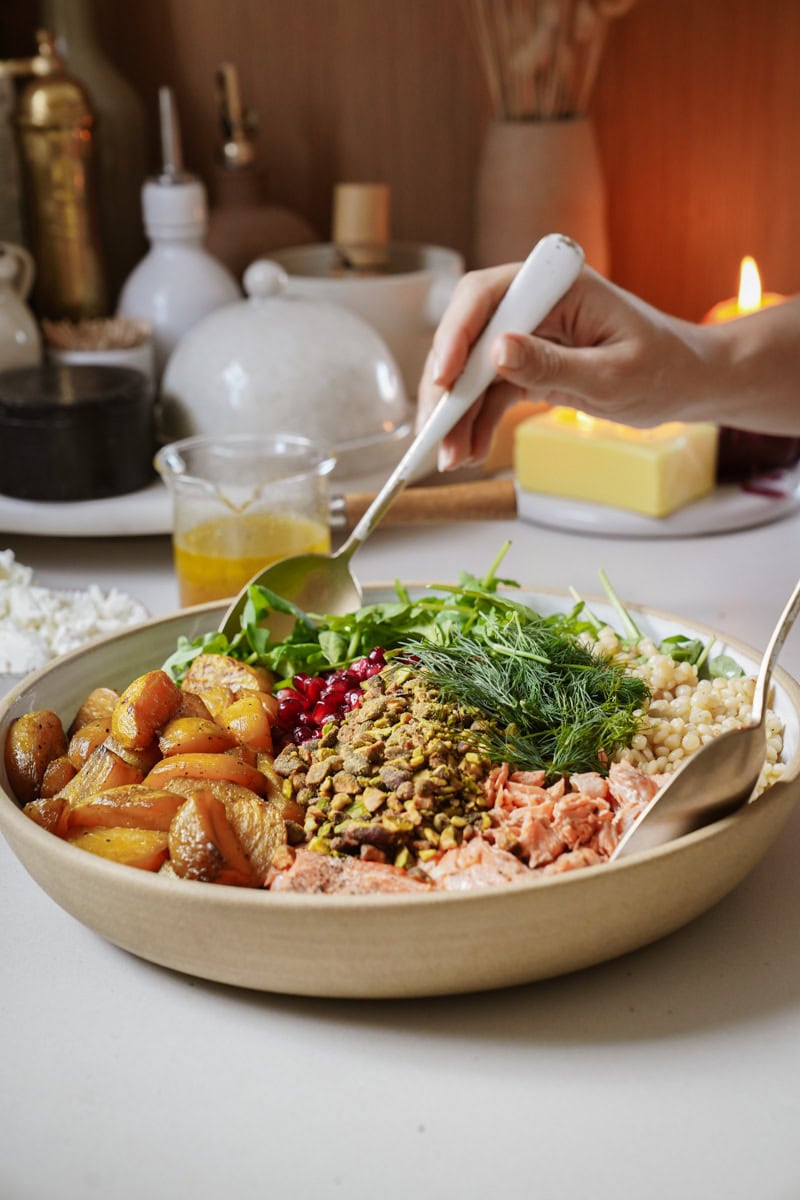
x: 743, y: 455
x: 750, y: 297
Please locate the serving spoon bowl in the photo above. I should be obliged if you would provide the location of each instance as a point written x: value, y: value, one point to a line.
x: 721, y: 776
x: 325, y: 583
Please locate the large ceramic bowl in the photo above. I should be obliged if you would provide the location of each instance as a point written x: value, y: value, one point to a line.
x: 386, y: 946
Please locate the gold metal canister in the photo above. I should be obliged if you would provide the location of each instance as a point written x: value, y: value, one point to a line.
x: 55, y: 130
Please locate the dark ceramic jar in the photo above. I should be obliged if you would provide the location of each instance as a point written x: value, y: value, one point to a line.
x: 75, y: 432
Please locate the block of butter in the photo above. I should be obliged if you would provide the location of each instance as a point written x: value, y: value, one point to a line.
x: 655, y: 471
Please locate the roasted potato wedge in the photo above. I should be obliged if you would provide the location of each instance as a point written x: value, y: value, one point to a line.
x: 86, y: 739
x: 133, y: 806
x: 191, y: 705
x: 98, y: 706
x: 195, y: 735
x: 146, y: 849
x: 144, y: 706
x: 215, y: 699
x: 207, y: 767
x: 249, y: 721
x: 218, y: 670
x: 52, y: 814
x: 33, y: 741
x: 144, y: 760
x: 57, y: 774
x: 257, y: 824
x: 203, y: 846
x: 103, y: 769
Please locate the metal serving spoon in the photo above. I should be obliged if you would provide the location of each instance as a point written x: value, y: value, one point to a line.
x: 720, y: 778
x: 324, y: 583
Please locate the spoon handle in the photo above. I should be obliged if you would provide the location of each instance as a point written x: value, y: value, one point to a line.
x: 779, y: 636
x: 546, y: 275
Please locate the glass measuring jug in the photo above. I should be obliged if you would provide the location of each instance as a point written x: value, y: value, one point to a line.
x: 241, y: 502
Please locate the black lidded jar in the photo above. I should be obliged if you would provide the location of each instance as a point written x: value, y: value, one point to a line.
x: 75, y: 432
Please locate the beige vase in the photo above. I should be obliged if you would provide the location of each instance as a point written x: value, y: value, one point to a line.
x: 537, y: 177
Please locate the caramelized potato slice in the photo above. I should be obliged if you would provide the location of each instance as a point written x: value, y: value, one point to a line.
x: 146, y: 849
x: 203, y: 846
x: 194, y: 735
x: 260, y: 830
x: 33, y: 741
x: 207, y: 767
x: 249, y: 721
x: 86, y: 739
x: 57, y: 775
x: 274, y: 790
x: 218, y: 670
x: 52, y: 814
x: 134, y: 806
x: 215, y: 700
x: 257, y: 824
x: 98, y: 706
x: 191, y: 705
x: 103, y: 769
x: 143, y: 760
x: 144, y: 706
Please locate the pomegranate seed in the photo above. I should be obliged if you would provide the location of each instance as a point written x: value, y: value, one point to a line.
x: 289, y: 710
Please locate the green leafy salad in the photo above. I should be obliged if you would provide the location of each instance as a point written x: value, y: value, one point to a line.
x: 550, y: 700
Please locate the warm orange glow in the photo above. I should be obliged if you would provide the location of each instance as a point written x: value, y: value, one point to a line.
x: 750, y: 299
x: 584, y: 426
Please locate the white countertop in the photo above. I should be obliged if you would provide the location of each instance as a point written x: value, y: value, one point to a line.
x: 672, y: 1072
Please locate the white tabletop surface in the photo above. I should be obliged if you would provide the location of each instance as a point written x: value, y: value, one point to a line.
x: 672, y: 1072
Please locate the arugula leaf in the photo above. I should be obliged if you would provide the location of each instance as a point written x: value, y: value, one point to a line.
x: 187, y: 650
x: 682, y: 648
x: 722, y: 666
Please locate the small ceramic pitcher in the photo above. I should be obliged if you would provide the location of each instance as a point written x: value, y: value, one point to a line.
x: 20, y: 340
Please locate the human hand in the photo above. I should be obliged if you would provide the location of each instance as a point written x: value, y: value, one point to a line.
x: 601, y: 350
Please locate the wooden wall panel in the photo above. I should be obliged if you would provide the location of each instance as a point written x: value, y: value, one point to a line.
x: 697, y: 112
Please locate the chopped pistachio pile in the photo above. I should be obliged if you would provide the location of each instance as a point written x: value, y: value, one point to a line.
x: 397, y: 779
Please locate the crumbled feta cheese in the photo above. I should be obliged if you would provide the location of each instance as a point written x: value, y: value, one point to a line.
x: 39, y: 623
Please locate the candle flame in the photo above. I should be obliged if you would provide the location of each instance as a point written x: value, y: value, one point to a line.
x: 749, y: 286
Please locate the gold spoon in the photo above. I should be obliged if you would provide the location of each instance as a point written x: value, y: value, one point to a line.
x: 720, y: 777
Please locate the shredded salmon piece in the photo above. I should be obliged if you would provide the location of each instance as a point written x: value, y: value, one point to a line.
x: 584, y: 856
x: 476, y: 864
x: 314, y: 872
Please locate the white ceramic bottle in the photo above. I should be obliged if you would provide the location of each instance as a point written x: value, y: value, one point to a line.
x: 177, y: 282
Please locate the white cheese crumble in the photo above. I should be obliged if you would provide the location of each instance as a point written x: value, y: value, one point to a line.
x: 39, y: 623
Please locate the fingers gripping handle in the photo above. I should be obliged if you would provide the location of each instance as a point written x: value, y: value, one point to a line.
x: 546, y: 275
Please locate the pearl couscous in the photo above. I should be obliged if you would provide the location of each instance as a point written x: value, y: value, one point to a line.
x: 685, y: 712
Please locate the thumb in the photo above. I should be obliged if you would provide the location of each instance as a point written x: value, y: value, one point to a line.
x: 536, y: 364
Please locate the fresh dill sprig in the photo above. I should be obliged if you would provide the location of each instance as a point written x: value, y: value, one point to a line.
x: 550, y: 703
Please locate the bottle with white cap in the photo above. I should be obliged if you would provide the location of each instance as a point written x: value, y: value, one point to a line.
x: 177, y: 282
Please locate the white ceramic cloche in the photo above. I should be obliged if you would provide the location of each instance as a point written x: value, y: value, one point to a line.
x: 20, y: 340
x: 272, y: 364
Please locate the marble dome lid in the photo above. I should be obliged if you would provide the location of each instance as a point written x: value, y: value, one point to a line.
x: 274, y: 363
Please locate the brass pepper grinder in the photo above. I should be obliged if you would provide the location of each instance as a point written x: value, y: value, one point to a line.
x: 55, y: 129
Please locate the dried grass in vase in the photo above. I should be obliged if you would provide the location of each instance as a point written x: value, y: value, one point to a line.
x: 541, y: 57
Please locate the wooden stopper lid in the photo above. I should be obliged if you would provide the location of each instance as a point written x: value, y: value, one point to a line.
x: 361, y: 223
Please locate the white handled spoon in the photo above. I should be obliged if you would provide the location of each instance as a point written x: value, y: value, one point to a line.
x: 324, y: 583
